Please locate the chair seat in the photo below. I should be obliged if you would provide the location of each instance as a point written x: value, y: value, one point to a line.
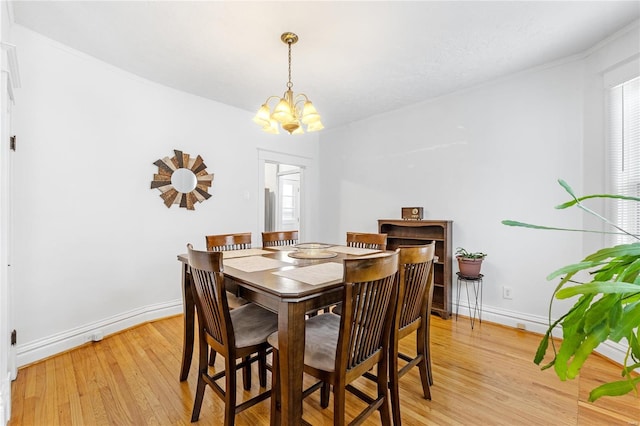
x: 252, y: 324
x: 321, y: 341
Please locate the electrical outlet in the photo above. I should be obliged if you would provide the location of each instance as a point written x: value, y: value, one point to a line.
x: 507, y: 293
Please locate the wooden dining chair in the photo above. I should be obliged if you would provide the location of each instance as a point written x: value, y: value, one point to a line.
x: 227, y: 242
x: 415, y: 272
x: 235, y: 334
x: 339, y: 349
x: 224, y: 242
x: 368, y: 241
x: 279, y: 238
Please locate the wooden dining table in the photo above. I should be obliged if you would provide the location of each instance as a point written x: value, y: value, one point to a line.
x: 290, y: 298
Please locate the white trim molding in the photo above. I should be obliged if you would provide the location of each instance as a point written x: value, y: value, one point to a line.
x: 42, y: 348
x: 12, y: 63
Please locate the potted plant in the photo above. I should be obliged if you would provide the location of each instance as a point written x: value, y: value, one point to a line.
x: 469, y: 263
x: 607, y: 304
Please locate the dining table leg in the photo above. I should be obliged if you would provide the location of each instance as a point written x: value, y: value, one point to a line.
x: 291, y: 325
x: 189, y: 322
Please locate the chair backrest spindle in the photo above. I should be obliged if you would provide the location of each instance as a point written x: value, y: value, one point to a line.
x: 414, y: 270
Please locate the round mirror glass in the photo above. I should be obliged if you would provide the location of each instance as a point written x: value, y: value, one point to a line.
x: 183, y: 180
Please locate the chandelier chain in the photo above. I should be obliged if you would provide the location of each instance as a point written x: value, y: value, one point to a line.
x: 289, y: 83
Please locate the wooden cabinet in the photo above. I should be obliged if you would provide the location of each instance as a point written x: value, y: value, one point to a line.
x: 413, y: 232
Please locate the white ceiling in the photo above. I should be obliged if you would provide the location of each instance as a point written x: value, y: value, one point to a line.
x: 354, y: 59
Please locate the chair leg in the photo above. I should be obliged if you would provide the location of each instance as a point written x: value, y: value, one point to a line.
x: 383, y: 391
x: 262, y: 367
x: 197, y: 404
x: 394, y: 384
x: 229, y: 393
x: 212, y: 357
x: 425, y: 363
x: 339, y: 402
x: 203, y: 350
x: 427, y: 355
x: 429, y: 373
x: 275, y: 388
x: 246, y: 374
x: 324, y: 394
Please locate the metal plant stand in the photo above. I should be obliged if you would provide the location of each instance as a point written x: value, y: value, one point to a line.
x: 475, y: 311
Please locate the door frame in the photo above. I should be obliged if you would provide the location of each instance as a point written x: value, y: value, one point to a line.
x: 306, y: 177
x: 8, y: 371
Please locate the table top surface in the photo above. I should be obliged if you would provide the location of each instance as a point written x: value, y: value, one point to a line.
x: 265, y: 281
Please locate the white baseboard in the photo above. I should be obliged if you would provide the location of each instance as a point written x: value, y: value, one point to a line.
x: 60, y: 342
x: 538, y: 324
x: 48, y: 346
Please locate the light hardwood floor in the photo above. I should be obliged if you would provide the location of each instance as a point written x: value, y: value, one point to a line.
x: 483, y: 376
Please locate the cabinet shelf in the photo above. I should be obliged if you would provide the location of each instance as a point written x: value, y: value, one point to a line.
x: 414, y: 232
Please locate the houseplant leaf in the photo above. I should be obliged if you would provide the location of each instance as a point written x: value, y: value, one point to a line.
x: 597, y: 287
x: 621, y: 387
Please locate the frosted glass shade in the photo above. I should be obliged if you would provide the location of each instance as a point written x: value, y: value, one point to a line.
x: 309, y: 113
x: 282, y: 112
x: 272, y: 127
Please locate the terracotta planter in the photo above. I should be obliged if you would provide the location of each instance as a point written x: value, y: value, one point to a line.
x: 469, y: 267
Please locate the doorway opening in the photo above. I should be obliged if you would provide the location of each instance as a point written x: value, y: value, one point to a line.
x: 282, y: 197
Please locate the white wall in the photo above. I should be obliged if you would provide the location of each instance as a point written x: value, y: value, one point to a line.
x: 95, y: 246
x: 477, y: 157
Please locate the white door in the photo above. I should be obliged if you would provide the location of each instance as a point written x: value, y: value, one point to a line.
x: 288, y: 202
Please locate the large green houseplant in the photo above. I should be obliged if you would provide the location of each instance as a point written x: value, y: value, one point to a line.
x: 608, y: 305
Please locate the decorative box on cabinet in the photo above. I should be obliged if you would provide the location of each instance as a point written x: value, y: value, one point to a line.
x: 414, y: 232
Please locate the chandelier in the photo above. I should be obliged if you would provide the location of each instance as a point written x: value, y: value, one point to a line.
x: 292, y: 110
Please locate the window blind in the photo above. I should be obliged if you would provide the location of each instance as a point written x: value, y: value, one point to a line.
x: 624, y: 154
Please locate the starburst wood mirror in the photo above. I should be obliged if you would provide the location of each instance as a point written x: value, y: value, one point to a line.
x: 182, y: 180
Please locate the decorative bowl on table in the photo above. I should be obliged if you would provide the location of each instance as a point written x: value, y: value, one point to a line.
x: 312, y: 251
